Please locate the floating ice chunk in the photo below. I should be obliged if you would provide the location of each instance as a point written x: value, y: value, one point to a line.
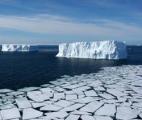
x: 5, y: 90
x: 126, y: 113
x: 59, y: 89
x: 107, y: 96
x: 7, y: 106
x: 96, y: 50
x: 87, y: 117
x: 86, y: 99
x: 91, y: 93
x: 107, y: 109
x: 14, y: 119
x: 41, y: 118
x: 81, y: 96
x: 73, y: 107
x: 59, y: 96
x: 40, y: 104
x: 64, y: 103
x: 10, y: 113
x: 23, y: 103
x: 71, y: 97
x: 80, y: 90
x: 53, y: 115
x: 27, y: 89
x: 48, y: 91
x: 50, y: 108
x: 92, y: 107
x: 115, y: 92
x: 30, y: 113
x: 102, y: 118
x: 77, y: 112
x: 99, y: 88
x: 72, y: 117
x: 37, y: 96
x: 138, y: 104
x: 140, y: 115
x: 15, y: 93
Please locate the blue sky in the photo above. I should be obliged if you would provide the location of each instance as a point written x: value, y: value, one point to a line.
x: 56, y: 21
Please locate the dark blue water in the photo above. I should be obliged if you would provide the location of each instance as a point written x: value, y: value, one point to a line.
x: 19, y: 70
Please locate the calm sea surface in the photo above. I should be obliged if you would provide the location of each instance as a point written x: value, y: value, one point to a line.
x: 18, y: 70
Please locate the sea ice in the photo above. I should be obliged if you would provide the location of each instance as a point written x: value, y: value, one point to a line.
x: 37, y: 96
x: 64, y: 103
x: 7, y: 106
x: 106, y: 110
x: 87, y: 117
x: 126, y: 113
x: 41, y: 104
x: 112, y: 93
x: 71, y: 97
x: 72, y: 117
x: 30, y: 113
x: 10, y: 113
x: 58, y: 96
x: 50, y: 107
x: 73, y: 107
x: 102, y: 118
x: 23, y: 103
x: 92, y: 107
x: 91, y: 93
x: 53, y: 115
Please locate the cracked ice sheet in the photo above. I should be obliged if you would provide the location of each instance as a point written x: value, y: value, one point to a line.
x: 114, y: 92
x: 126, y: 113
x: 50, y: 107
x: 53, y: 115
x: 87, y: 117
x: 107, y: 110
x: 37, y: 96
x: 30, y: 113
x: 92, y: 107
x: 23, y: 103
x: 10, y: 113
x: 72, y: 117
x: 102, y: 118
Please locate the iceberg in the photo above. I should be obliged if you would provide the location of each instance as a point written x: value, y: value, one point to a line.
x: 108, y: 49
x: 18, y: 48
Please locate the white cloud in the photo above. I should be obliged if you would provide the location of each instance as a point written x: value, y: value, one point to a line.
x: 64, y: 26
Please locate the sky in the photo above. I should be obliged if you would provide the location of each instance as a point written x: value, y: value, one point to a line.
x: 58, y: 21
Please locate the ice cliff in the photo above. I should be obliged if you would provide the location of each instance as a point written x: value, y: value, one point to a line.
x: 95, y: 50
x: 18, y: 48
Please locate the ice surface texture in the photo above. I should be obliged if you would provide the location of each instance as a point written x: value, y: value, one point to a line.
x: 95, y: 50
x: 18, y: 47
x: 114, y: 93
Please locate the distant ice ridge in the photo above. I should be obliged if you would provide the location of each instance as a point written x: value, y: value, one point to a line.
x: 18, y: 48
x: 95, y: 50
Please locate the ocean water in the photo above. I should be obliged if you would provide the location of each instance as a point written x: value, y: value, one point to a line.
x: 18, y: 70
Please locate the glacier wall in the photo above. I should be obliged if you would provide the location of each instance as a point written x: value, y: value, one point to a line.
x: 95, y: 50
x: 18, y: 48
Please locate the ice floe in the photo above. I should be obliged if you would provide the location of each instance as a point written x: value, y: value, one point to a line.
x: 23, y: 103
x: 30, y: 113
x: 10, y: 113
x: 114, y: 93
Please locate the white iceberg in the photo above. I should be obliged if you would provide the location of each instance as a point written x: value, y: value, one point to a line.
x: 95, y: 50
x: 18, y: 48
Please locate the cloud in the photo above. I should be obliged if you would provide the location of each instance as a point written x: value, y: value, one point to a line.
x: 57, y: 25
